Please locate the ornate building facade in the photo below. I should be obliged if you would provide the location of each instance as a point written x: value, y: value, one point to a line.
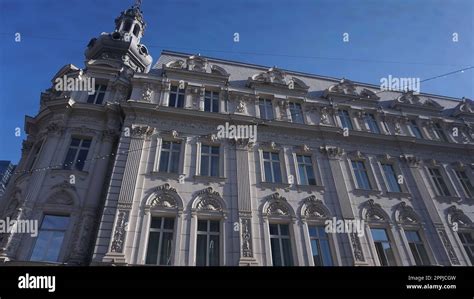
x: 135, y: 173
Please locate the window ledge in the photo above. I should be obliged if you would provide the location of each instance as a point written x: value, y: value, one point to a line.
x: 169, y: 175
x: 447, y: 198
x: 210, y: 178
x: 70, y: 171
x: 309, y: 187
x: 398, y: 194
x: 274, y: 185
x: 357, y: 191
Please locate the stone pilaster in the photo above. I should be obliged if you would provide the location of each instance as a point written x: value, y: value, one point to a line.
x: 244, y: 203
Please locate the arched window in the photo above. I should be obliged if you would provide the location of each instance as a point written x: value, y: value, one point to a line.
x: 412, y: 233
x: 208, y: 214
x: 463, y: 227
x: 278, y: 221
x: 162, y: 222
x: 136, y: 30
x: 320, y: 245
x: 379, y: 233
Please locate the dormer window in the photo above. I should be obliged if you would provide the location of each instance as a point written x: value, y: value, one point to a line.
x: 136, y: 30
x: 98, y: 96
x: 127, y: 26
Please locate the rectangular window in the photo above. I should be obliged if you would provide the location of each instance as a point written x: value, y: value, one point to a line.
x: 296, y: 113
x: 415, y: 129
x: 391, y: 177
x: 280, y: 245
x: 467, y: 240
x: 345, y: 119
x: 417, y: 248
x: 438, y: 180
x: 271, y: 165
x: 77, y: 153
x: 383, y: 247
x: 372, y: 123
x: 465, y: 182
x: 50, y: 238
x: 169, y: 156
x: 211, y: 101
x: 439, y: 132
x: 37, y: 150
x: 176, y: 99
x: 98, y: 96
x: 207, y: 249
x: 266, y: 109
x: 160, y: 241
x: 305, y: 170
x: 361, y: 175
x: 320, y: 246
x: 209, y: 160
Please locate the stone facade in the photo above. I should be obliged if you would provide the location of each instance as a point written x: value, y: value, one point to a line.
x: 122, y: 186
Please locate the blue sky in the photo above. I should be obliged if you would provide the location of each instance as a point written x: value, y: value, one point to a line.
x: 402, y: 38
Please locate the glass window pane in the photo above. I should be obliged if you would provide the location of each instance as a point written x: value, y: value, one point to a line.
x: 169, y: 223
x: 156, y: 222
x: 273, y: 229
x: 313, y: 231
x: 55, y: 222
x: 166, y: 245
x: 174, y: 162
x: 288, y: 258
x: 379, y: 234
x: 215, y: 166
x: 276, y: 253
x: 268, y: 172
x: 284, y: 230
x: 214, y: 250
x: 215, y: 150
x: 71, y: 154
x: 202, y: 225
x: 41, y: 245
x: 277, y: 172
x: 315, y: 250
x: 214, y: 226
x: 164, y: 158
x: 302, y: 172
x: 152, y: 251
x: 201, y: 250
x: 204, y: 165
x: 326, y: 252
x: 81, y: 159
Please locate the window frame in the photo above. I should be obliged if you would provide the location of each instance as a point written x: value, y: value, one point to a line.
x: 212, y: 100
x: 267, y: 109
x: 292, y: 105
x: 177, y: 93
x: 98, y: 91
x: 161, y: 230
x: 78, y: 149
x: 65, y: 239
x: 347, y: 118
x: 372, y: 122
x: 271, y: 161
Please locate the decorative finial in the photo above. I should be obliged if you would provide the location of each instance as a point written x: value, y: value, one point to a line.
x: 138, y: 3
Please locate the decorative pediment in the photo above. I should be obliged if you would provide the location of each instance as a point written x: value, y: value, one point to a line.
x: 456, y: 215
x: 373, y: 212
x: 61, y: 198
x: 215, y: 69
x: 208, y: 192
x: 405, y: 214
x: 278, y: 78
x: 163, y: 201
x: 314, y: 208
x: 344, y: 86
x: 408, y: 99
x: 164, y: 197
x: 196, y: 63
x: 209, y: 204
x: 369, y: 94
x: 277, y: 206
x: 465, y: 107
